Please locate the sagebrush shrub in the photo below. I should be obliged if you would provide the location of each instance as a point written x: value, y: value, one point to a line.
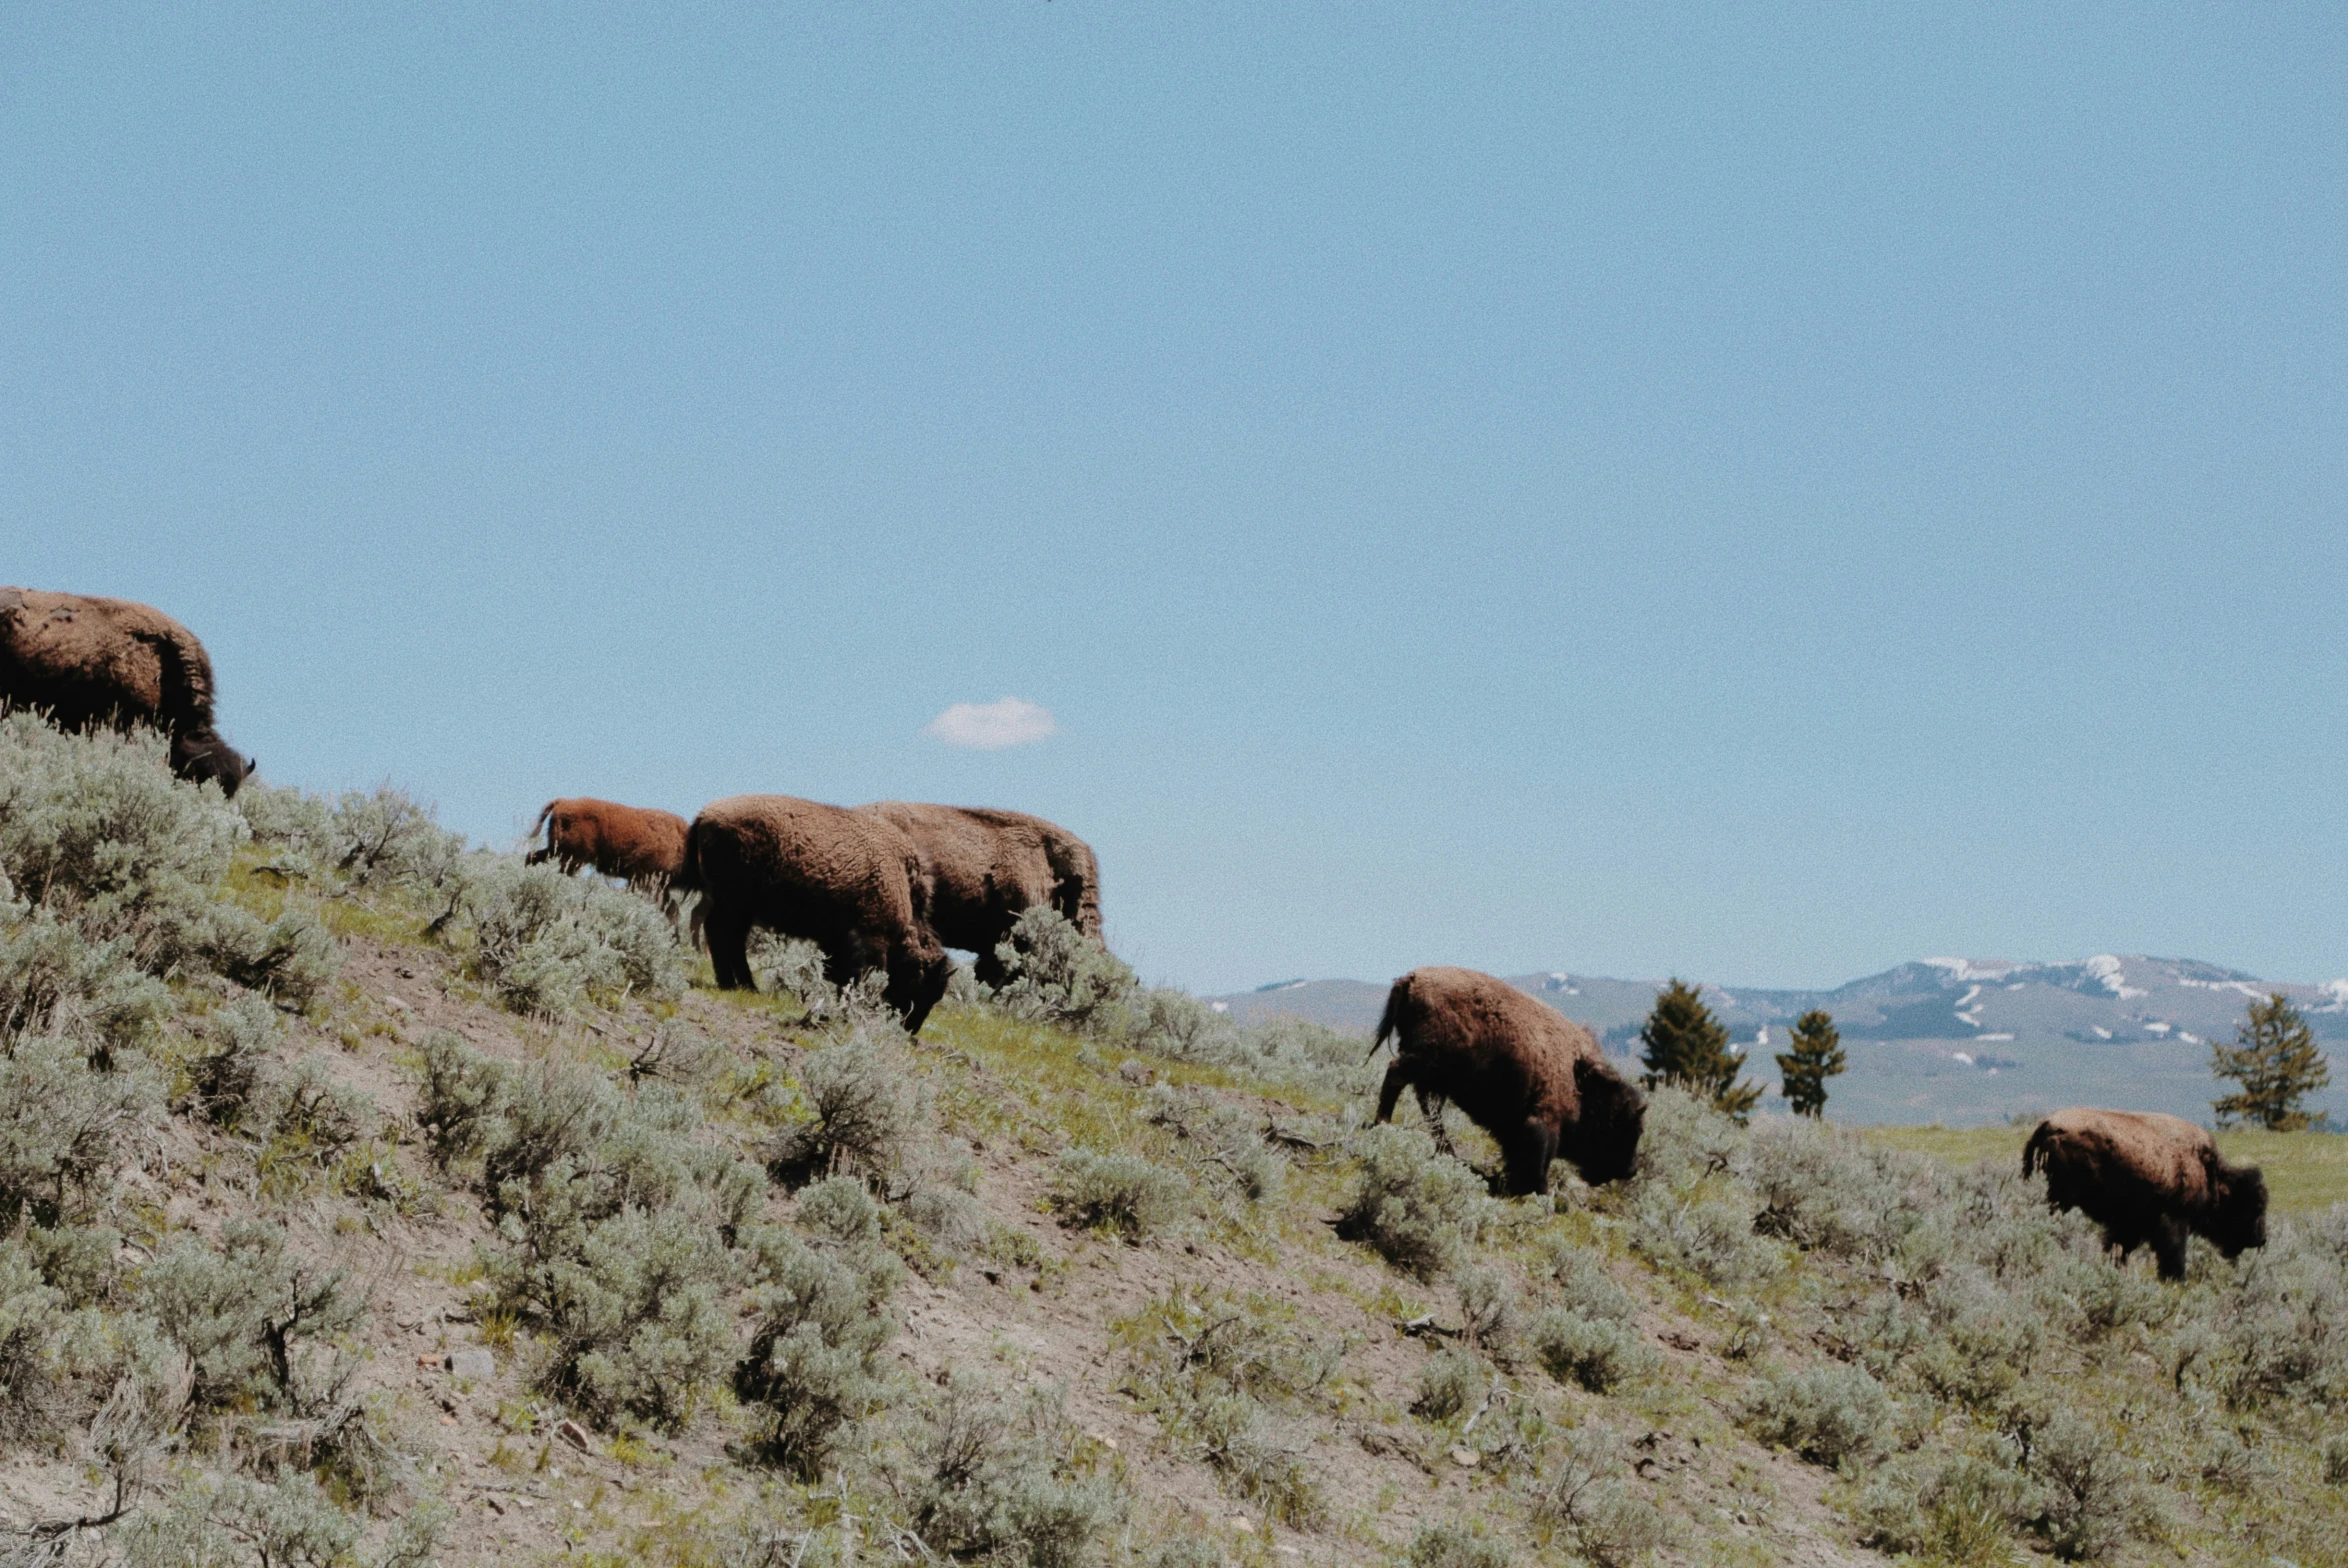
x: 1827, y: 1413
x: 998, y: 1478
x: 545, y: 943
x: 821, y: 1324
x: 1957, y: 1508
x: 866, y: 1113
x: 67, y: 1126
x: 2094, y: 1497
x: 244, y: 1312
x: 1416, y: 1207
x: 1452, y: 1382
x: 292, y: 958
x: 639, y: 1322
x: 237, y: 1048
x: 1598, y: 1353
x: 385, y: 835
x: 1225, y: 1144
x: 1120, y: 1192
x: 1490, y: 1315
x: 839, y: 1208
x: 54, y: 981
x: 1580, y: 1492
x: 1054, y: 971
x: 234, y: 1521
x: 1456, y: 1546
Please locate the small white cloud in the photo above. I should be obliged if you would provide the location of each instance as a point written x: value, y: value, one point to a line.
x: 991, y: 726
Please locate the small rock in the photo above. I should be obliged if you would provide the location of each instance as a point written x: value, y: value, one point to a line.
x: 428, y: 1361
x: 572, y: 1433
x: 581, y: 1507
x: 495, y: 1506
x: 396, y: 1002
x: 1242, y: 1524
x: 992, y: 1276
x: 475, y: 1364
x: 524, y: 1502
x: 1466, y: 1458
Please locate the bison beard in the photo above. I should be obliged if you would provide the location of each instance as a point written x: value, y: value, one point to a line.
x: 1533, y: 1079
x: 984, y: 869
x: 91, y: 663
x: 2148, y: 1179
x: 844, y: 880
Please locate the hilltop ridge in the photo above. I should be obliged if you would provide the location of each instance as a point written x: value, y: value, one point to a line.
x: 1956, y: 1041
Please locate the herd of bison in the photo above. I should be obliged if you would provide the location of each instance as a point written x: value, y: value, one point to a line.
x: 889, y: 887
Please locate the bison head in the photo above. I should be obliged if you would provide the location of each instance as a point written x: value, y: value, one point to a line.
x: 197, y: 758
x: 1605, y: 1143
x: 2237, y: 1219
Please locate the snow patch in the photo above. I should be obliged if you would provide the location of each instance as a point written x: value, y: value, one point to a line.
x: 2157, y: 1027
x: 2255, y: 992
x: 1962, y: 1056
x: 2101, y: 1033
x: 2337, y: 990
x: 1993, y: 1037
x: 2107, y: 968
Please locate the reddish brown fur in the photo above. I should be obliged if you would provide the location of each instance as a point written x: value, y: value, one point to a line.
x: 88, y: 661
x: 985, y: 868
x: 646, y: 847
x: 846, y: 880
x: 1526, y: 1074
x: 2148, y: 1179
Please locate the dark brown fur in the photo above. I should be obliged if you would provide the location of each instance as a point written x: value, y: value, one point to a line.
x: 986, y: 868
x: 845, y: 880
x: 643, y: 846
x: 91, y: 662
x: 2148, y: 1179
x: 1532, y: 1078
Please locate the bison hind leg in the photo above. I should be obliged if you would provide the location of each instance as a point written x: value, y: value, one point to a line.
x: 728, y: 935
x: 2168, y: 1245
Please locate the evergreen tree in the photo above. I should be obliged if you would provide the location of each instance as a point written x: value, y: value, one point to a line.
x: 1817, y: 1056
x: 1688, y: 1047
x: 2275, y: 1059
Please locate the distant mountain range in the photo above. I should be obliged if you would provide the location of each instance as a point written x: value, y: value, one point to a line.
x: 1956, y: 1041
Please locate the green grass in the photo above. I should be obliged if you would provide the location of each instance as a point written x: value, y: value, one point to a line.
x: 2305, y: 1171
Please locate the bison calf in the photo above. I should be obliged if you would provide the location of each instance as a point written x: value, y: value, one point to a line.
x: 2148, y: 1179
x: 842, y: 879
x: 1526, y: 1074
x: 87, y: 661
x: 644, y: 847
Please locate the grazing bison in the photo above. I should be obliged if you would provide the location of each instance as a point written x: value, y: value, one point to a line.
x: 843, y: 879
x: 1533, y: 1079
x: 986, y: 868
x: 92, y: 662
x: 644, y: 847
x: 2148, y: 1178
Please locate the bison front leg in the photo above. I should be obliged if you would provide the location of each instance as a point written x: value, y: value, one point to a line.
x: 1527, y: 1156
x: 2168, y: 1245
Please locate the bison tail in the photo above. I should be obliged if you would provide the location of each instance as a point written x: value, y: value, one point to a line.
x: 1390, y: 1021
x: 539, y: 826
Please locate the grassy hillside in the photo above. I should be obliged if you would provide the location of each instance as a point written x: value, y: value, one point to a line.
x: 365, y: 1200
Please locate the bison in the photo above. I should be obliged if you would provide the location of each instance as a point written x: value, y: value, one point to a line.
x: 643, y: 847
x: 91, y: 662
x: 986, y: 868
x: 843, y: 879
x: 2148, y: 1178
x: 1526, y: 1074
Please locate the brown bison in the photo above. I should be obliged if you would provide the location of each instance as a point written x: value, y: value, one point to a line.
x: 2148, y: 1178
x: 1526, y: 1074
x: 845, y: 880
x: 644, y: 847
x: 91, y: 662
x: 986, y: 868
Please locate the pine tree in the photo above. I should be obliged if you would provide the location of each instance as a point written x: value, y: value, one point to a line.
x: 1817, y: 1056
x: 1688, y: 1047
x: 2275, y: 1059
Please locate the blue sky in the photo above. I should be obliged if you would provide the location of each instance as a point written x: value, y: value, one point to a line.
x: 1761, y: 493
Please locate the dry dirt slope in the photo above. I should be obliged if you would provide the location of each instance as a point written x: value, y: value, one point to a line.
x: 1080, y: 1275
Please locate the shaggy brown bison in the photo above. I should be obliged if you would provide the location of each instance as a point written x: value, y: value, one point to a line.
x: 2148, y: 1178
x: 641, y: 845
x: 986, y: 868
x: 112, y: 662
x: 1532, y: 1078
x: 845, y: 880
